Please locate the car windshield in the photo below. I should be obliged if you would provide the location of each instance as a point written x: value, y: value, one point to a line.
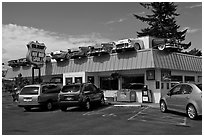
x: 29, y: 91
x: 199, y: 86
x: 71, y: 88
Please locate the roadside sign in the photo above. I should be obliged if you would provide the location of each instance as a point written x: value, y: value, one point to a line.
x: 36, y: 53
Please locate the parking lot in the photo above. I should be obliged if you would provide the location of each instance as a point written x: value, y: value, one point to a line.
x: 103, y: 120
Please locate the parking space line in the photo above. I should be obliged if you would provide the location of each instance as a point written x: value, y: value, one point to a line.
x: 96, y: 112
x: 138, y: 113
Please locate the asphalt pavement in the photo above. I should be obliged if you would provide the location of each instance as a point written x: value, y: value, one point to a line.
x: 114, y: 118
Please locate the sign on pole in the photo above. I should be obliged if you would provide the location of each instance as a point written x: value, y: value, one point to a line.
x: 36, y: 53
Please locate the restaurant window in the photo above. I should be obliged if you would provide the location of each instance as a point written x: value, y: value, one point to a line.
x: 162, y: 85
x: 68, y: 80
x: 136, y: 79
x: 109, y: 83
x: 189, y: 79
x: 199, y: 79
x: 78, y: 79
x: 177, y: 78
x: 91, y: 79
x: 157, y: 84
x: 167, y: 85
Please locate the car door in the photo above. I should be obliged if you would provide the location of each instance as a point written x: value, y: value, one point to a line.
x: 183, y: 98
x: 88, y: 92
x: 97, y: 93
x: 172, y: 98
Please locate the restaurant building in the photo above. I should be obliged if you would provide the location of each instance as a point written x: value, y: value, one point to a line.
x: 111, y: 72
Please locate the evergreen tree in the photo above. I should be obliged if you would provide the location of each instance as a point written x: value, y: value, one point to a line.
x: 162, y: 23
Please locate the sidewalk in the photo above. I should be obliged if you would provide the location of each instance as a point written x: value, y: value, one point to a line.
x: 133, y: 104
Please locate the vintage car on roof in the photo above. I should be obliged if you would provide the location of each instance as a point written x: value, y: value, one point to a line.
x: 169, y: 43
x: 80, y: 53
x: 13, y: 63
x: 23, y: 62
x: 128, y: 45
x: 59, y: 55
x: 100, y: 49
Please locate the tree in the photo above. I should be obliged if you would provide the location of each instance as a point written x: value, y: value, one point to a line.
x: 162, y: 23
x: 195, y: 52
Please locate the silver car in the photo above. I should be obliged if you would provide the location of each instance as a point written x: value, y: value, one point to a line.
x: 39, y: 95
x: 185, y: 97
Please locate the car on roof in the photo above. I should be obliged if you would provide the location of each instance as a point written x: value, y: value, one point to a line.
x: 39, y: 95
x: 184, y: 97
x: 77, y: 94
x: 128, y: 45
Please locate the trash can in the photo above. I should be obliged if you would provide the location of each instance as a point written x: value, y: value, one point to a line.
x: 126, y: 95
x: 146, y: 96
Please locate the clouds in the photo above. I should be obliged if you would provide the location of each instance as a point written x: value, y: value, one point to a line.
x: 191, y: 30
x: 15, y: 38
x: 195, y: 6
x: 116, y: 21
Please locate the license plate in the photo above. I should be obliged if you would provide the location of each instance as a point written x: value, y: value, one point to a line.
x: 68, y: 98
x: 27, y: 100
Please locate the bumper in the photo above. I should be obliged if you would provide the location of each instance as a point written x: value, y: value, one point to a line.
x: 70, y: 103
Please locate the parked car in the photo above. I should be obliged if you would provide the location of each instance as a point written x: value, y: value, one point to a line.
x: 83, y: 95
x: 185, y: 97
x: 169, y: 43
x: 80, y: 53
x: 102, y: 49
x: 60, y: 55
x: 39, y: 95
x: 128, y: 45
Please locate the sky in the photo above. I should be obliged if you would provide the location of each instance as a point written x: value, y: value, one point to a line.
x: 64, y: 25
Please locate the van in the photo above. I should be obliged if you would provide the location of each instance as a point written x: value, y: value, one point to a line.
x: 39, y: 95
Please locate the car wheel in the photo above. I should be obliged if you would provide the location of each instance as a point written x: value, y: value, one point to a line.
x: 161, y: 47
x: 49, y: 106
x: 163, y: 107
x: 87, y: 105
x: 191, y: 112
x: 137, y: 46
x: 27, y: 108
x: 63, y: 108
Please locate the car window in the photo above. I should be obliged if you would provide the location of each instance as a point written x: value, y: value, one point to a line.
x: 176, y: 90
x: 186, y: 89
x: 88, y: 87
x: 71, y: 88
x: 29, y: 91
x: 50, y: 89
x: 94, y: 88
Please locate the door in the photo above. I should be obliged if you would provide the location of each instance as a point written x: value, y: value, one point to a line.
x: 172, y: 99
x: 88, y: 91
x: 183, y: 99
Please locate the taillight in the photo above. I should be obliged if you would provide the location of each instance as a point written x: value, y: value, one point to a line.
x: 58, y: 97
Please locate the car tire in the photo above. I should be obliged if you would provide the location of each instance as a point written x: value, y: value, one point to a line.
x: 161, y: 47
x: 63, y: 108
x: 87, y: 105
x: 163, y: 106
x: 27, y: 108
x: 49, y: 106
x: 191, y: 112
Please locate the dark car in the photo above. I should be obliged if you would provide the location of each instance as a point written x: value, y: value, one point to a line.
x: 83, y: 95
